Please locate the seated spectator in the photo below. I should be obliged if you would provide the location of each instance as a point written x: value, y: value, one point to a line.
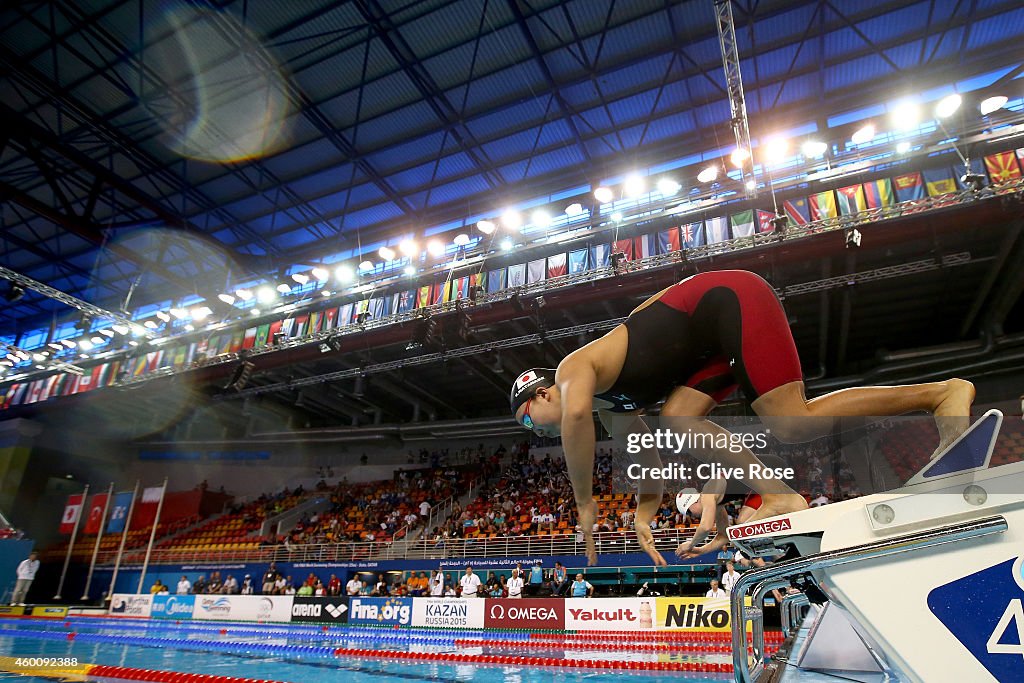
x: 319, y: 590
x: 334, y: 585
x: 230, y: 586
x: 184, y: 585
x: 354, y: 586
x: 381, y: 587
x: 156, y: 587
x: 247, y: 586
x: 199, y: 586
x: 581, y: 588
x: 280, y: 584
x: 305, y: 591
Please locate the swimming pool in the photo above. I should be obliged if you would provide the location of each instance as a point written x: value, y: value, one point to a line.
x: 293, y: 653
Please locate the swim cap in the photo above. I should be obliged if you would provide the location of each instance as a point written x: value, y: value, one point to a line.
x: 527, y: 384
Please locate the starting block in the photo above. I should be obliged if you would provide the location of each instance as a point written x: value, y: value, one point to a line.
x: 924, y: 583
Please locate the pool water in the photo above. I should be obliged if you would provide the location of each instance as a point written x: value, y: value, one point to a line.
x: 305, y: 654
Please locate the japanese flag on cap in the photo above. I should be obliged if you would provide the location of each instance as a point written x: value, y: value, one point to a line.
x: 527, y: 384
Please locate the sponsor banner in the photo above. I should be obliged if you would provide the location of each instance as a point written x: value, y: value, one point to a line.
x: 243, y: 607
x: 52, y: 611
x: 448, y: 612
x: 759, y: 528
x: 391, y: 611
x: 11, y: 611
x: 173, y: 606
x: 695, y: 614
x: 130, y: 605
x: 609, y: 614
x: 524, y: 613
x: 320, y: 610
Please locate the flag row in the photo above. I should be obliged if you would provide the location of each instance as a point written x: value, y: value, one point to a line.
x: 116, y: 518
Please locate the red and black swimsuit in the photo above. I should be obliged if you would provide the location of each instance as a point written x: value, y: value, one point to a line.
x: 711, y: 332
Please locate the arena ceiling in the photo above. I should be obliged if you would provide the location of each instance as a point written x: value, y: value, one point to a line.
x: 153, y: 150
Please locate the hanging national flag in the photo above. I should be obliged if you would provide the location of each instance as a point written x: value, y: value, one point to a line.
x: 34, y: 389
x: 878, y: 193
x: 851, y: 199
x: 345, y: 312
x: 765, y: 221
x: 72, y: 510
x: 301, y: 325
x: 823, y: 205
x: 600, y: 256
x: 316, y: 322
x: 423, y: 296
x: 273, y: 330
x: 909, y: 187
x: 536, y: 271
x: 716, y: 229
x: 330, y: 318
x: 94, y: 522
x: 497, y: 280
x: 1002, y: 167
x: 262, y: 332
x: 743, y: 223
x: 119, y: 512
x: 578, y: 260
x: 939, y: 181
x: 557, y: 265
x: 85, y: 381
x: 691, y: 235
x: 288, y: 327
x: 406, y: 301
x: 797, y: 211
x: 645, y: 246
x: 668, y: 241
x: 376, y: 308
x: 517, y: 275
x: 145, y: 511
x: 359, y: 309
x: 179, y: 353
x: 623, y: 247
x: 236, y: 342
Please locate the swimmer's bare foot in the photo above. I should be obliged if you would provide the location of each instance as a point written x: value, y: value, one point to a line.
x: 952, y: 413
x: 689, y: 549
x: 773, y: 505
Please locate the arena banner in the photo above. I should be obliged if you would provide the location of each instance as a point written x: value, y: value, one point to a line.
x: 332, y: 610
x: 609, y: 614
x: 384, y: 611
x: 11, y: 610
x: 243, y: 607
x: 51, y: 611
x: 448, y: 612
x: 525, y: 613
x: 130, y: 605
x: 695, y: 614
x: 173, y: 606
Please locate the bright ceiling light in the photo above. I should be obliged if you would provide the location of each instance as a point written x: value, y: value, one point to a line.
x: 226, y: 298
x: 408, y: 248
x: 283, y: 288
x: 325, y: 292
x: 512, y: 219
x: 344, y: 274
x: 813, y: 149
x: 902, y: 147
x: 751, y: 184
x: 739, y: 157
x: 410, y: 270
x: 486, y: 227
x: 39, y: 357
x: 991, y: 104
x: 906, y: 116
x: 120, y: 329
x: 540, y: 218
x: 138, y: 330
x: 243, y: 294
x: 616, y: 216
x: 863, y: 135
x: 386, y: 253
x: 948, y: 105
x: 190, y: 328
x: 301, y: 278
x: 179, y: 313
x: 150, y: 324
x: 435, y: 248
x: 776, y: 149
x: 603, y: 195
x: 708, y: 174
x: 70, y: 343
x: 365, y: 266
x: 96, y: 341
x: 132, y: 342
x: 163, y: 316
x: 668, y: 187
x: 320, y: 274
x: 506, y: 245
x: 265, y: 295
x: 254, y: 311
x: 634, y: 186
x: 201, y: 312
x: 461, y: 240
x: 85, y: 345
x: 574, y: 209
x: 107, y: 332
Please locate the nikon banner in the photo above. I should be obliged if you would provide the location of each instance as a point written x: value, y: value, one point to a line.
x: 694, y: 614
x: 333, y: 610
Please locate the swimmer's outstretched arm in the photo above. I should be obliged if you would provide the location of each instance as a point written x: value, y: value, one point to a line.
x: 576, y: 380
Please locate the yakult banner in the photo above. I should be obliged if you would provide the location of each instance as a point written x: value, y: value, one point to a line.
x: 333, y: 610
x: 390, y: 611
x: 525, y: 613
x: 695, y: 614
x: 130, y: 605
x: 609, y: 614
x: 173, y: 606
x: 243, y: 607
x: 448, y: 612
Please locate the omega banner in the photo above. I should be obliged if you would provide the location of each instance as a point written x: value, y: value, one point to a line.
x: 332, y: 610
x: 526, y: 613
x: 449, y: 612
x: 695, y: 614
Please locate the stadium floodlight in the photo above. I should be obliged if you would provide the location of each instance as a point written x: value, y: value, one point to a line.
x: 813, y: 149
x: 226, y: 298
x: 243, y: 294
x: 902, y: 147
x: 265, y: 295
x: 344, y: 274
x: 604, y: 195
x: 708, y: 174
x: 751, y: 184
x: 863, y: 135
x: 540, y: 219
x: 301, y: 278
x: 668, y: 187
x: 410, y: 270
x: 408, y: 248
x: 634, y: 186
x: 461, y: 240
x: 775, y: 150
x: 506, y: 245
x: 320, y: 274
x: 150, y: 324
x: 616, y: 216
x: 486, y: 227
x: 574, y: 209
x: 366, y: 266
x: 254, y: 311
x: 386, y: 253
x: 200, y: 313
x: 991, y: 104
x: 512, y: 219
x: 435, y: 248
x: 284, y: 288
x: 179, y: 313
x: 739, y: 157
x: 948, y: 106
x: 906, y: 115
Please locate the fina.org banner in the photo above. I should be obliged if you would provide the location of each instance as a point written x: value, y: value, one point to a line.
x: 695, y: 614
x: 243, y: 607
x: 609, y: 614
x: 173, y: 606
x: 380, y: 611
x: 131, y: 605
x: 448, y: 612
